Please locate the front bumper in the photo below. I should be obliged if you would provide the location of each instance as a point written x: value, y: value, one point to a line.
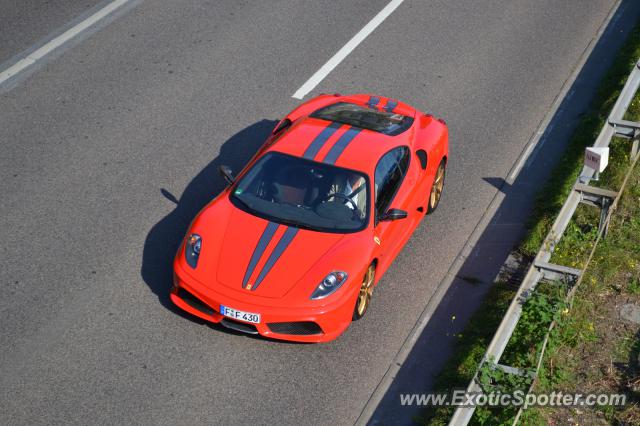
x: 300, y: 324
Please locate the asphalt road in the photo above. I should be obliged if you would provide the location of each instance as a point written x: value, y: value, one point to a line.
x: 24, y: 24
x: 109, y: 151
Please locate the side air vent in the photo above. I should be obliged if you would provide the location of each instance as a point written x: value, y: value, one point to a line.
x: 422, y: 156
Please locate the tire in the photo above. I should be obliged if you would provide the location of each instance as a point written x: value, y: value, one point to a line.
x: 436, y: 188
x: 366, y: 290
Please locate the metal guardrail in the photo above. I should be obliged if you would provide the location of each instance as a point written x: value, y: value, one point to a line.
x: 541, y: 268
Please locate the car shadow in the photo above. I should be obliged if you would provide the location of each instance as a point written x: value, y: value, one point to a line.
x: 165, y: 236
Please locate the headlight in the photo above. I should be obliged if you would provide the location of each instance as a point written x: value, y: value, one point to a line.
x: 192, y: 249
x: 329, y: 284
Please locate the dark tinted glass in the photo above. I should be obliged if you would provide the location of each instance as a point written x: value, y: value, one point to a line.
x: 389, y: 174
x: 304, y: 193
x: 422, y: 156
x: 365, y: 118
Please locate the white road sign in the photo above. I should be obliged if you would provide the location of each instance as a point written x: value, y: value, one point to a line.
x: 596, y: 158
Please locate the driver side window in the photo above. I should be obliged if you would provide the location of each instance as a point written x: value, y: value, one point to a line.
x: 389, y: 173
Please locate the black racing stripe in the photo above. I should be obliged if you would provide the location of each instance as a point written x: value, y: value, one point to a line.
x: 373, y: 101
x: 391, y: 105
x: 263, y: 242
x: 320, y: 140
x: 282, y: 245
x: 340, y: 145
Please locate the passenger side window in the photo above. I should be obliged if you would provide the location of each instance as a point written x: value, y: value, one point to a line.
x: 389, y: 173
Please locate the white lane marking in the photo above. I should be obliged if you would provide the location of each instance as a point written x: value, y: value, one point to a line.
x: 346, y: 49
x: 63, y: 38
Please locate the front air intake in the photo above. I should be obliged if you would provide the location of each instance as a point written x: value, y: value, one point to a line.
x: 301, y: 328
x: 194, y: 302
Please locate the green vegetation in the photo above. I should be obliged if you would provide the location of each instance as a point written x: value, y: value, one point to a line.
x: 592, y: 349
x: 586, y: 329
x: 469, y: 350
x: 541, y: 308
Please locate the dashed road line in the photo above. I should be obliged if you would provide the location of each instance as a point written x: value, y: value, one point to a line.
x: 316, y: 78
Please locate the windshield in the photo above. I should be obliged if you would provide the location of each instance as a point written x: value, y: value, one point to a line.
x: 384, y: 122
x: 304, y: 193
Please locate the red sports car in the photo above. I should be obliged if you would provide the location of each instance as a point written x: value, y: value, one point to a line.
x: 295, y: 245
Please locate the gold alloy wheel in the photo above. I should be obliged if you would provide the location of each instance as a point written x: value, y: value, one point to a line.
x: 436, y: 189
x: 366, y: 290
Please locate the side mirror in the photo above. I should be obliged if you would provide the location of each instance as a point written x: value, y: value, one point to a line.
x: 226, y: 173
x: 283, y: 125
x: 393, y: 214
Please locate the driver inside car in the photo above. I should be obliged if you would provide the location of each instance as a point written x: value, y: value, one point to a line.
x: 351, y: 186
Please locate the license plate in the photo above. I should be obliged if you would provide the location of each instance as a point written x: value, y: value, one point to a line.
x: 239, y: 315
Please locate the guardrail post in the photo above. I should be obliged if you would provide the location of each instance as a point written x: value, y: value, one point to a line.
x: 553, y: 272
x: 603, y: 226
x: 598, y: 197
x: 625, y: 128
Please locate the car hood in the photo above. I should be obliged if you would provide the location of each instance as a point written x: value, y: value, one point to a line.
x: 259, y: 256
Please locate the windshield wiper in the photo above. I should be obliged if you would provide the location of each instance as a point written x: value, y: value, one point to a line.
x: 296, y: 223
x: 244, y: 203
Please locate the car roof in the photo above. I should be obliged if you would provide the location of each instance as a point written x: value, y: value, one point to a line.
x: 340, y: 144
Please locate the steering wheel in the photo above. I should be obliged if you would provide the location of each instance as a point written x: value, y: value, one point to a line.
x: 341, y: 196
